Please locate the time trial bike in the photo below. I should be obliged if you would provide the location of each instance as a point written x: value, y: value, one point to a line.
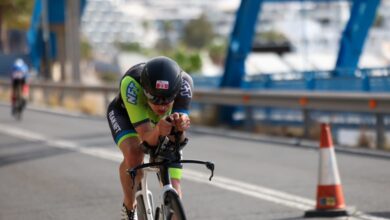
x: 161, y: 158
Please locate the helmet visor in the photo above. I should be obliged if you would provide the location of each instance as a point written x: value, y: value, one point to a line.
x: 158, y: 100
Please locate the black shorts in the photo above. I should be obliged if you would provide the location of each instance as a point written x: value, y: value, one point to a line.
x: 18, y: 83
x: 119, y: 122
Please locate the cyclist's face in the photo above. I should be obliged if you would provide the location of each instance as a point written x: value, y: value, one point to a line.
x: 160, y: 109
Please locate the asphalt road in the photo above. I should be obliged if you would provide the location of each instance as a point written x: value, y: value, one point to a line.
x: 55, y: 166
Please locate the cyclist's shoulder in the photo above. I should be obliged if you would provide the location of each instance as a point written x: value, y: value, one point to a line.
x: 187, y: 79
x: 186, y: 76
x: 134, y: 72
x: 130, y: 86
x: 188, y: 83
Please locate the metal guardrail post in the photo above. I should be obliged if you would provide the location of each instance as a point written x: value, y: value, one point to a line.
x: 306, y: 123
x: 249, y: 118
x: 380, y: 131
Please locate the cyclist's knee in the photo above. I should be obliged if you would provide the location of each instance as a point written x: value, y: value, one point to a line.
x: 123, y: 167
x: 131, y: 149
x: 132, y: 152
x: 140, y: 175
x: 134, y: 157
x: 176, y: 185
x: 175, y: 182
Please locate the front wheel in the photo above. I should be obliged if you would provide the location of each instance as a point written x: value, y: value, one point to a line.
x: 173, y: 207
x: 141, y: 210
x: 18, y: 107
x: 144, y: 210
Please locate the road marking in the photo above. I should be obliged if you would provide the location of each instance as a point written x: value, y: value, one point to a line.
x: 225, y: 183
x: 255, y: 191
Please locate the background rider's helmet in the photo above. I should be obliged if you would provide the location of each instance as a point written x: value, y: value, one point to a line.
x: 19, y: 66
x: 161, y: 80
x: 19, y: 62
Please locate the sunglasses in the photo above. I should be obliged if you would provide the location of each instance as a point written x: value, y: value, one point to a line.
x: 158, y: 100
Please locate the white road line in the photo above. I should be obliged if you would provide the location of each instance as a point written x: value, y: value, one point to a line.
x: 225, y: 183
x: 255, y: 191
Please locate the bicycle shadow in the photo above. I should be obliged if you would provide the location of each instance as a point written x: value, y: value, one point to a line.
x: 30, y: 155
x: 317, y: 218
x: 17, y: 144
x: 380, y: 214
x: 291, y: 218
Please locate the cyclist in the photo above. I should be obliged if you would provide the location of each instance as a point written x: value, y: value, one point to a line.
x: 149, y: 93
x: 19, y: 78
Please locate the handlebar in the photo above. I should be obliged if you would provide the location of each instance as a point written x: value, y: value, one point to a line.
x: 165, y: 162
x: 133, y: 171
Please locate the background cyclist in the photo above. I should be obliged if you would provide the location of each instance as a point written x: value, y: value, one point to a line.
x: 149, y: 92
x: 19, y: 78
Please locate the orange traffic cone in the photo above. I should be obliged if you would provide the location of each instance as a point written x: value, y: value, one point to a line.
x: 330, y: 198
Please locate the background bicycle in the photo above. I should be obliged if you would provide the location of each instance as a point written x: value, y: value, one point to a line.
x: 19, y: 102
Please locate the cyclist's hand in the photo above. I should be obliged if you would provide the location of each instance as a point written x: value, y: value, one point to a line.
x: 181, y: 121
x: 164, y: 127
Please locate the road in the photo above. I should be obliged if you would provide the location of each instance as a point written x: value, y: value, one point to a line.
x: 56, y: 166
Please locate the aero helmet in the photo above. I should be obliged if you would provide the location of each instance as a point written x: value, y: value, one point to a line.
x: 161, y: 80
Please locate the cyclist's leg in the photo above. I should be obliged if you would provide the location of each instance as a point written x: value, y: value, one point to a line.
x: 177, y: 186
x: 126, y: 138
x: 133, y: 156
x: 13, y: 92
x: 175, y: 171
x: 25, y: 89
x: 24, y: 92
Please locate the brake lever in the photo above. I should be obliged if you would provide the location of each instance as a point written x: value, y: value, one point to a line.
x: 211, y: 167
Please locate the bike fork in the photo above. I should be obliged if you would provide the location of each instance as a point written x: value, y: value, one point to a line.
x: 147, y: 198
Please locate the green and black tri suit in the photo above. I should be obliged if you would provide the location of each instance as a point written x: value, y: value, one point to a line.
x: 130, y: 109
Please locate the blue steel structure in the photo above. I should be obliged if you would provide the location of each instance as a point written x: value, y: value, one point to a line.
x: 239, y: 47
x: 363, y: 80
x: 56, y: 16
x: 362, y: 16
x: 351, y: 44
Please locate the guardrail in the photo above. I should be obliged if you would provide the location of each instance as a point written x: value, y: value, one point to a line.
x: 356, y: 80
x: 62, y: 88
x: 352, y: 102
x: 377, y: 104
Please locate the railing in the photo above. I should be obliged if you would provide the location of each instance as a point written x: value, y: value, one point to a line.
x: 61, y: 90
x: 333, y: 101
x: 367, y: 80
x: 377, y: 104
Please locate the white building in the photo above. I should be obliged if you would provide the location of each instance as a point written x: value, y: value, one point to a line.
x: 314, y: 29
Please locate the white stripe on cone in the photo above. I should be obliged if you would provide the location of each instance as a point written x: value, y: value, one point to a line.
x: 328, y: 170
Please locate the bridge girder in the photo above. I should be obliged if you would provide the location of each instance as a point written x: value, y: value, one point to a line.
x: 361, y: 18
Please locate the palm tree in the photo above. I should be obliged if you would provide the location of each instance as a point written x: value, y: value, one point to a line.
x: 14, y: 14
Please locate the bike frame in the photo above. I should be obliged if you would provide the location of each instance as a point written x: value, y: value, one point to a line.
x: 161, y: 168
x: 146, y: 193
x: 19, y: 102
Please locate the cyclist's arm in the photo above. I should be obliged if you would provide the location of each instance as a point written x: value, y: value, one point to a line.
x: 181, y: 107
x: 151, y: 135
x: 135, y: 104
